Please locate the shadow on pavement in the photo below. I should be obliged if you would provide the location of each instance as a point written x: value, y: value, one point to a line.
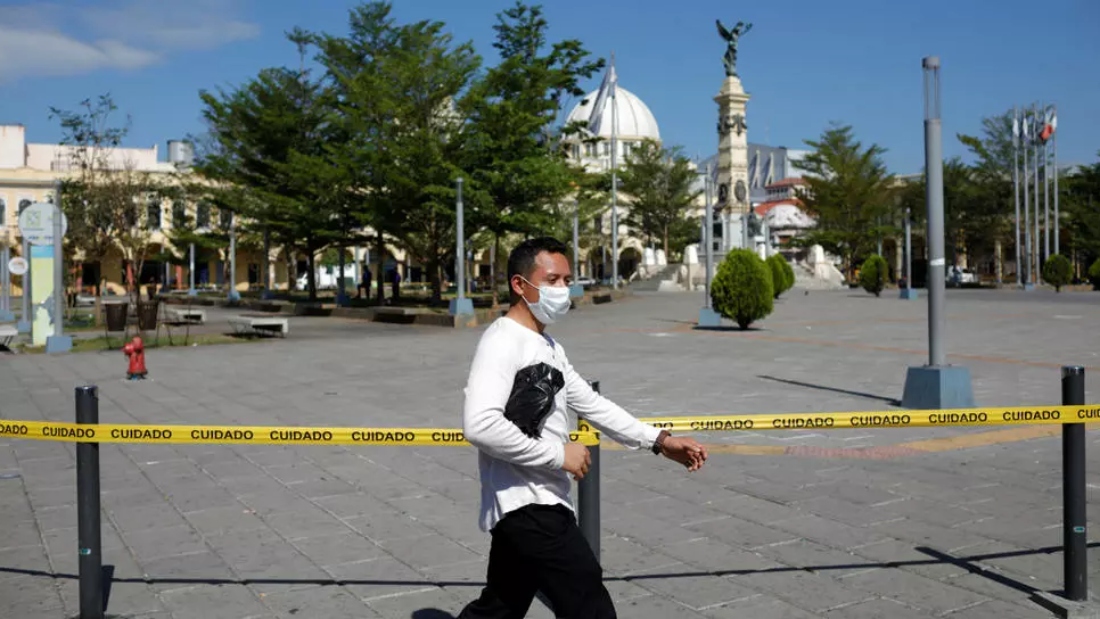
x: 858, y: 394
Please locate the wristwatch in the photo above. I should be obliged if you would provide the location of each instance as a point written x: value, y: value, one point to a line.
x: 657, y: 444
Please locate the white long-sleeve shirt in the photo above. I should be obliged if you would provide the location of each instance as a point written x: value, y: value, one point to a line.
x: 515, y: 469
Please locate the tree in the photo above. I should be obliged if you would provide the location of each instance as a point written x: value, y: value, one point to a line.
x: 1080, y: 206
x: 659, y: 182
x: 742, y: 288
x: 1057, y: 271
x: 987, y: 223
x: 849, y: 193
x: 269, y: 137
x: 109, y: 202
x: 872, y: 275
x: 514, y: 151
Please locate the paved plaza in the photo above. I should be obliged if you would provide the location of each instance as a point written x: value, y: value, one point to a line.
x: 915, y: 523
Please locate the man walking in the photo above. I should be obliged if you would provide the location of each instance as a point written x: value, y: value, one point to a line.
x: 520, y: 387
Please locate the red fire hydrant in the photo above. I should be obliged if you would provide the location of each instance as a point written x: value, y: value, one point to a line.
x: 135, y: 350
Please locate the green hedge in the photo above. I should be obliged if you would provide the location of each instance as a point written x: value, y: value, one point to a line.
x: 872, y: 275
x: 782, y: 274
x: 1057, y: 271
x: 1094, y: 274
x: 742, y: 289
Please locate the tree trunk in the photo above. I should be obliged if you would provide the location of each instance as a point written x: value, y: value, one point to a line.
x: 493, y: 271
x: 435, y: 276
x: 340, y: 276
x: 381, y: 276
x: 667, y: 257
x: 291, y: 270
x: 311, y: 276
x: 998, y: 260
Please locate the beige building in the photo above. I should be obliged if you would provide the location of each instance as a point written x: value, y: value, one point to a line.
x: 30, y: 173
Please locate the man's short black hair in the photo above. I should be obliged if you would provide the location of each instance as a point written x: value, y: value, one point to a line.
x: 522, y: 259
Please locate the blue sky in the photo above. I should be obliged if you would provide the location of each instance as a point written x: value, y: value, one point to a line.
x: 806, y: 63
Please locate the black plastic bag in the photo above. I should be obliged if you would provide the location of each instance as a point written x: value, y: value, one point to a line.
x: 532, y: 397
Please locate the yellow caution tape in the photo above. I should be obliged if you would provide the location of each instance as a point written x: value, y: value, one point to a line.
x: 225, y: 435
x: 1018, y: 415
x: 585, y: 434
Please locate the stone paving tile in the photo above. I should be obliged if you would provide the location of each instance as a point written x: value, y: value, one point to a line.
x: 429, y: 551
x: 914, y: 591
x: 318, y: 602
x: 758, y: 607
x: 232, y: 602
x: 30, y: 596
x: 877, y: 609
x: 377, y: 578
x: 417, y: 601
x: 334, y: 549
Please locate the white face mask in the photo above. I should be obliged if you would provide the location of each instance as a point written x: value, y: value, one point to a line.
x: 552, y: 305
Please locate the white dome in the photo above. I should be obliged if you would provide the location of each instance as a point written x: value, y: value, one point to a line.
x: 633, y: 117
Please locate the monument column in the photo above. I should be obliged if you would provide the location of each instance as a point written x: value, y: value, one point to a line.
x: 733, y: 142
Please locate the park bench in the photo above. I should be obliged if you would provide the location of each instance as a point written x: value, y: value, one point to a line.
x: 187, y: 316
x: 259, y: 325
x: 8, y: 333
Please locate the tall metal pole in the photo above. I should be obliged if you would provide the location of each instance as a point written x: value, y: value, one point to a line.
x: 708, y: 186
x: 233, y: 260
x: 1046, y: 197
x: 58, y: 265
x: 1054, y: 150
x: 1016, y: 185
x: 1025, y: 129
x: 576, y: 239
x: 614, y: 182
x: 908, y: 250
x: 933, y: 164
x: 191, y: 271
x: 460, y: 242
x: 1035, y: 150
x: 25, y: 323
x: 5, y: 280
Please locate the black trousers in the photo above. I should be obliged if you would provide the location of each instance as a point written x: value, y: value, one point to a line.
x: 540, y: 548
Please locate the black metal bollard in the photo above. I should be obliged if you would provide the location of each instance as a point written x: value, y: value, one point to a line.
x: 87, y: 506
x: 1074, y: 532
x: 588, y: 496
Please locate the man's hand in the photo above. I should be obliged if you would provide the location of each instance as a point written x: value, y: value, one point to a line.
x: 686, y: 451
x: 577, y: 460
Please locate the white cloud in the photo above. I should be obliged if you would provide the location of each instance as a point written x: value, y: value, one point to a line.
x: 49, y: 40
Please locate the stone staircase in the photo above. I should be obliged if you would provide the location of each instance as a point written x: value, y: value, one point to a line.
x: 669, y: 273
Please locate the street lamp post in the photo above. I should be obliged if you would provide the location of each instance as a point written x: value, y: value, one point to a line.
x: 707, y: 316
x: 935, y: 385
x: 460, y: 305
x: 908, y: 292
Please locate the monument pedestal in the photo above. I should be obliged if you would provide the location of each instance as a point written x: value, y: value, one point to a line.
x: 732, y: 176
x: 909, y: 294
x: 938, y: 387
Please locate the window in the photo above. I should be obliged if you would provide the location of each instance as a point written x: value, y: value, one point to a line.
x: 202, y: 216
x: 3, y: 211
x: 153, y: 212
x: 24, y: 204
x: 226, y: 217
x: 179, y: 215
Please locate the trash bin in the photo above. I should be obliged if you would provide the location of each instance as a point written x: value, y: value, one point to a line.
x: 116, y: 316
x: 147, y: 314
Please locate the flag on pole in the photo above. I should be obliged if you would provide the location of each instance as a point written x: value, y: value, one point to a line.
x: 1015, y: 129
x: 1024, y: 129
x: 1050, y: 123
x: 606, y: 91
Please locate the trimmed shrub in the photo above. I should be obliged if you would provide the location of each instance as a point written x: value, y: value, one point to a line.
x: 782, y: 274
x: 742, y: 288
x: 1058, y: 271
x: 872, y: 275
x: 1094, y: 274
